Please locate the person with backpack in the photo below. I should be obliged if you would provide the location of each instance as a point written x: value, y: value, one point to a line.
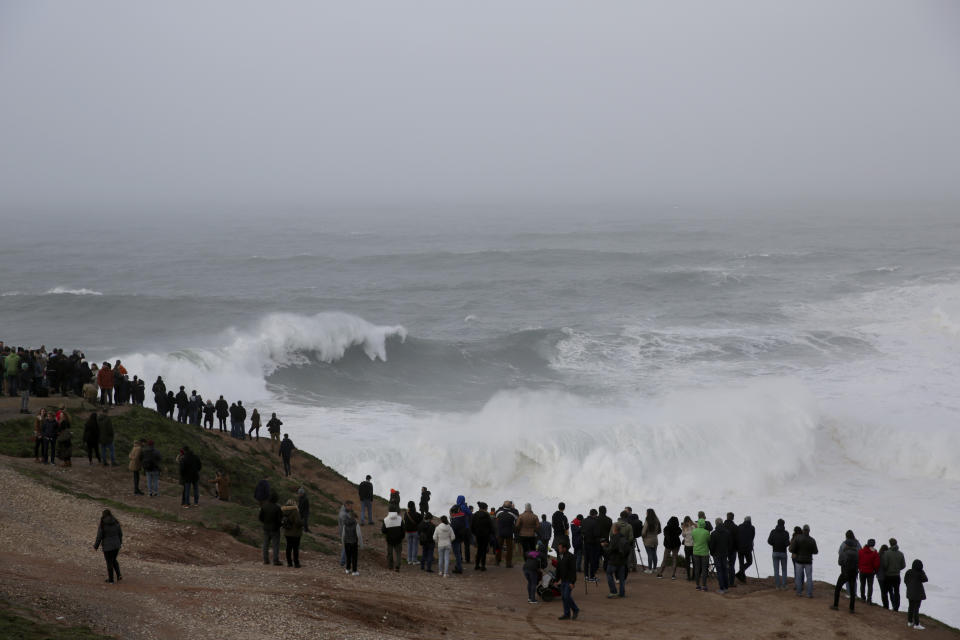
x: 671, y: 545
x: 292, y: 527
x: 411, y: 522
x: 848, y: 559
x: 272, y: 518
x: 869, y: 562
x: 425, y: 531
x: 481, y: 526
x: 916, y: 594
x: 458, y: 522
x: 443, y: 537
x: 618, y: 550
x: 150, y: 461
x: 804, y: 547
x: 136, y: 464
x: 392, y: 529
x: 779, y: 541
x: 892, y: 564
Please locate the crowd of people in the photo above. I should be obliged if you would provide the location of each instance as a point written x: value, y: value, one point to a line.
x: 722, y: 551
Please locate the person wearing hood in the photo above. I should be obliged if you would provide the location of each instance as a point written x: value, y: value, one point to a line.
x: 848, y: 559
x: 458, y: 522
x: 303, y: 505
x: 576, y: 540
x: 531, y: 571
x: 779, y: 540
x: 671, y: 545
x: 892, y: 564
x: 292, y: 527
x: 804, y: 547
x: 136, y: 464
x: 425, y: 530
x: 443, y: 537
x: 392, y: 529
x: 544, y: 530
x: 701, y: 554
x: 467, y: 511
x: 411, y: 521
x: 271, y: 516
x: 481, y: 526
x: 110, y: 538
x: 913, y: 579
x: 720, y: 543
x: 869, y: 562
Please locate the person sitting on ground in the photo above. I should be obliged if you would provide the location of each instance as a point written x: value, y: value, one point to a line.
x: 916, y: 594
x: 292, y: 527
x: 110, y: 537
x: 848, y: 560
x: 868, y: 563
x: 392, y: 530
x: 271, y: 516
x: 286, y: 450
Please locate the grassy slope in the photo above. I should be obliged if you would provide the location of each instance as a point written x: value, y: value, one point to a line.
x: 16, y: 624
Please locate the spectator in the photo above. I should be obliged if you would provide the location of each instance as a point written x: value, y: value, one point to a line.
x: 506, y: 517
x: 292, y: 527
x: 273, y: 428
x: 745, y: 535
x: 392, y: 529
x: 481, y: 525
x: 916, y: 594
x: 411, y: 522
x: 848, y: 559
x: 151, y: 466
x: 620, y: 547
x: 255, y: 424
x: 651, y: 529
x: 352, y: 540
x: 720, y: 542
x: 687, y: 530
x: 223, y: 411
x: 892, y: 564
x: 560, y: 525
x: 591, y: 546
x: 272, y: 518
x: 443, y: 537
x: 567, y: 576
x: 110, y: 537
x: 779, y: 540
x: 527, y: 529
x: 136, y: 464
x: 286, y: 450
x: 303, y: 505
x: 365, y: 490
x: 426, y: 530
x: 804, y: 547
x: 190, y: 466
x: 868, y: 561
x: 221, y: 481
x: 671, y: 545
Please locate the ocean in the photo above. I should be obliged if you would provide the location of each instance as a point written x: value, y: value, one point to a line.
x: 804, y: 367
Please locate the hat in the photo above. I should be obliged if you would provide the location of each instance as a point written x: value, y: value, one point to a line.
x: 482, y: 505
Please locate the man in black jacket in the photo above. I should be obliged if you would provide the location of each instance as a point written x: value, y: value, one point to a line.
x: 223, y: 411
x: 561, y: 526
x: 506, y: 522
x: 159, y: 394
x: 849, y: 561
x: 731, y: 528
x: 720, y: 544
x: 591, y: 545
x: 481, y: 525
x: 271, y: 516
x: 365, y: 490
x: 745, y: 535
x: 182, y: 400
x: 286, y: 450
x: 779, y: 539
x: 190, y: 466
x: 804, y: 547
x: 567, y: 576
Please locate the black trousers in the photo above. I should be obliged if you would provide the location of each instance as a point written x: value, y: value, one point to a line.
x: 891, y: 585
x: 112, y: 565
x: 849, y: 579
x: 136, y: 482
x: 223, y: 423
x: 93, y: 450
x: 913, y: 611
x: 866, y: 587
x: 293, y: 551
x: 481, y: 552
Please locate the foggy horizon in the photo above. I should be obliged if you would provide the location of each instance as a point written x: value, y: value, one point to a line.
x: 235, y: 107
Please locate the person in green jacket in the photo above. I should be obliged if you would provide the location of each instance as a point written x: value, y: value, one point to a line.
x: 12, y: 370
x: 701, y: 554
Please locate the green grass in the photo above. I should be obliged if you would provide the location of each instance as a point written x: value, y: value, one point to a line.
x: 14, y: 626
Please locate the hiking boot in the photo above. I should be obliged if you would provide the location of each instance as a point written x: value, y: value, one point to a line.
x: 576, y: 614
x: 611, y: 595
x: 563, y: 618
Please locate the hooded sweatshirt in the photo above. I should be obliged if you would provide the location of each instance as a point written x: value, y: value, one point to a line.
x: 443, y: 536
x: 109, y: 534
x: 779, y: 539
x: 849, y: 557
x: 914, y: 579
x: 893, y: 562
x: 701, y: 539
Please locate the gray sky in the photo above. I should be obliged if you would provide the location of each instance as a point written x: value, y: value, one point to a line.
x: 229, y: 104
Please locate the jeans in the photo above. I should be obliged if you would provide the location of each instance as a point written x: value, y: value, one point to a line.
x: 45, y: 450
x: 892, y: 584
x: 103, y: 451
x: 393, y: 555
x: 112, y: 565
x: 577, y: 557
x: 592, y: 552
x: 723, y: 573
x: 620, y: 573
x: 532, y: 580
x: 780, y: 569
x: 913, y: 611
x: 426, y: 561
x: 366, y: 511
x: 25, y: 400
x: 92, y: 450
x: 849, y: 579
x: 413, y: 541
x: 866, y: 587
x: 688, y: 556
x: 196, y: 494
x: 293, y: 549
x: 153, y: 482
x: 701, y: 568
x: 458, y: 557
x: 445, y: 560
x: 351, y: 549
x: 667, y: 555
x: 566, y: 594
x: 651, y: 556
x: 182, y: 415
x: 804, y: 571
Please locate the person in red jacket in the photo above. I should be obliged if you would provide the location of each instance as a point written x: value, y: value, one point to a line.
x: 105, y: 382
x: 869, y: 562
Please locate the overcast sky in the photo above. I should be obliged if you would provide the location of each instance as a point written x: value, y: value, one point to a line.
x: 229, y: 104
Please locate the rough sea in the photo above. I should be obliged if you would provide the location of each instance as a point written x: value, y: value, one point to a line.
x: 804, y: 367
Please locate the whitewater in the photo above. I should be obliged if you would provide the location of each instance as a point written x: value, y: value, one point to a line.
x: 798, y: 368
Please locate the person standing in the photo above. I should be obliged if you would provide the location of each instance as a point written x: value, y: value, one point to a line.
x: 732, y: 529
x: 506, y: 517
x: 443, y: 537
x: 687, y: 532
x: 745, y: 536
x: 136, y: 464
x: 105, y: 434
x: 233, y: 419
x: 671, y: 545
x: 352, y: 539
x: 255, y: 424
x: 481, y: 525
x: 868, y: 562
x: 591, y: 546
x: 701, y: 554
x: 48, y: 429
x: 365, y: 491
x: 892, y: 564
x: 303, y: 505
x: 182, y: 402
x: 567, y: 576
x: 392, y: 530
x: 241, y: 419
x: 273, y: 428
x: 26, y: 382
x: 720, y: 543
x: 110, y: 538
x: 105, y: 382
x: 804, y: 547
x: 424, y: 500
x: 223, y: 412
x: 208, y: 411
x: 576, y: 540
x: 618, y: 550
x: 38, y: 435
x: 286, y: 450
x: 190, y: 466
x: 65, y: 444
x: 151, y: 466
x: 560, y: 526
x: 411, y: 522
x: 91, y: 437
x: 916, y: 594
x: 531, y: 571
x: 159, y: 394
x: 458, y: 522
x: 527, y: 529
x: 848, y: 559
x: 779, y: 541
x: 292, y: 527
x: 272, y: 518
x: 426, y: 530
x: 649, y: 532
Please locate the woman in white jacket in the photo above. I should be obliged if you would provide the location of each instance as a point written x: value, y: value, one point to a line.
x: 443, y: 537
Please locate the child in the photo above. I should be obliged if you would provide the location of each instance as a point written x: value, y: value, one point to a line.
x: 913, y: 579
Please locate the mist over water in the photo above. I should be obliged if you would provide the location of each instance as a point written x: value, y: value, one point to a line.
x: 798, y: 367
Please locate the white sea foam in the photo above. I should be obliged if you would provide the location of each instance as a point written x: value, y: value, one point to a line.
x: 83, y: 291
